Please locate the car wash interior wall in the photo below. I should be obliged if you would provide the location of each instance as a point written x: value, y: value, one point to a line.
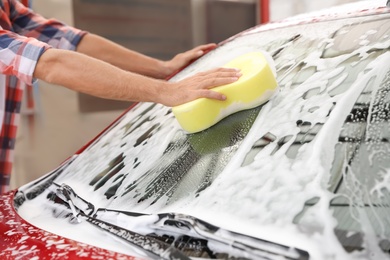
x: 57, y: 121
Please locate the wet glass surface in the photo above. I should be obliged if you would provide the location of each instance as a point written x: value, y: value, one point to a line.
x: 362, y: 155
x: 318, y: 152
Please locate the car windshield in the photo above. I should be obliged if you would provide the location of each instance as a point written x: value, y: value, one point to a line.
x: 309, y: 168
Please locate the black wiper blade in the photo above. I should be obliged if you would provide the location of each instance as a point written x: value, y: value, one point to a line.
x: 192, y: 234
x: 254, y: 248
x: 154, y: 248
x: 171, y: 235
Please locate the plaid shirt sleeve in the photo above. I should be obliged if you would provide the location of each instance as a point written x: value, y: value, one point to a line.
x: 24, y: 36
x: 51, y: 31
x: 19, y: 55
x: 18, y: 59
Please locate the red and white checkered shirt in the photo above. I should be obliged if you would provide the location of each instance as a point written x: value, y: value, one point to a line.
x: 24, y: 36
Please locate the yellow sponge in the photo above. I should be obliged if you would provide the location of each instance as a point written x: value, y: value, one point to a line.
x: 254, y: 87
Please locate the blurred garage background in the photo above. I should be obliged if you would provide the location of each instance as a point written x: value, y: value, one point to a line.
x: 56, y: 122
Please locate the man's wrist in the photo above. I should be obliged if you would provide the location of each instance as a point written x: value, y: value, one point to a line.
x: 160, y: 92
x: 165, y: 70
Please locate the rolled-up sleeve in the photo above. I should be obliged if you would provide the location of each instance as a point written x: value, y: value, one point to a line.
x: 51, y: 31
x: 19, y: 55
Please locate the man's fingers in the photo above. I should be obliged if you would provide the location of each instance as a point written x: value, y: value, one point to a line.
x: 216, y: 82
x: 221, y: 72
x: 218, y: 77
x: 199, y: 51
x: 211, y: 94
x: 200, y: 85
x: 205, y: 47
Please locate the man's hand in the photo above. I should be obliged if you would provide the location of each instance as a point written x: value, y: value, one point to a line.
x: 100, y: 48
x: 183, y: 59
x: 198, y: 86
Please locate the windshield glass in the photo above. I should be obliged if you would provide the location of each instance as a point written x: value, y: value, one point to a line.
x: 309, y: 167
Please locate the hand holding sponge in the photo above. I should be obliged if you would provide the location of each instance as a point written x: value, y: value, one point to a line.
x: 256, y: 85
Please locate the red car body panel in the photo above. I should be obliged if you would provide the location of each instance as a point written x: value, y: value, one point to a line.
x: 21, y: 240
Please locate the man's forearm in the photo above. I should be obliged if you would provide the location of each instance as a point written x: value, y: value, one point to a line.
x: 103, y: 49
x: 95, y: 77
x: 92, y: 76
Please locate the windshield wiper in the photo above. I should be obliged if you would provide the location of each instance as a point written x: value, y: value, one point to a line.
x: 171, y: 235
x: 153, y: 247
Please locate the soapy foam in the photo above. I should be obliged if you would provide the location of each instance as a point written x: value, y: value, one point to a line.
x: 260, y: 183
